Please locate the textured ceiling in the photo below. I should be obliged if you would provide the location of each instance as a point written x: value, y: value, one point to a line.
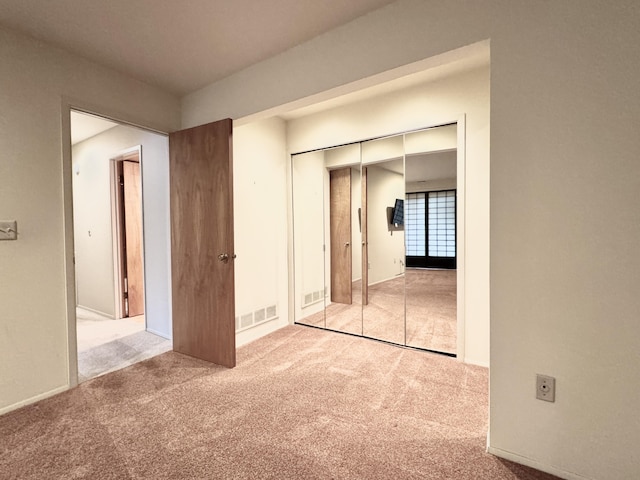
x: 179, y: 45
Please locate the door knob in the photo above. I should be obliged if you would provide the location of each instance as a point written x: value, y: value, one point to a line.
x: 224, y: 257
x: 346, y: 244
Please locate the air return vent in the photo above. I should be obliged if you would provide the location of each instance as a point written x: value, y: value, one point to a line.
x: 261, y: 315
x: 312, y: 297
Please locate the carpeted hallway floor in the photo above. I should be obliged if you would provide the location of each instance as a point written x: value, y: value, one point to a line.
x: 301, y: 404
x: 106, y: 345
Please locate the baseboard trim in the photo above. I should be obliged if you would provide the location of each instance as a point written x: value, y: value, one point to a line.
x: 258, y: 331
x: 160, y: 334
x: 386, y: 279
x: 475, y: 361
x: 93, y: 310
x: 37, y: 398
x: 533, y: 464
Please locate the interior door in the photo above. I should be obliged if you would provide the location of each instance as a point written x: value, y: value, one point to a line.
x: 340, y: 231
x: 202, y: 250
x: 134, y: 284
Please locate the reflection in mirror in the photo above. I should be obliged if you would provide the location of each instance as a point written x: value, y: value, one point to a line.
x: 308, y: 225
x: 430, y: 231
x: 383, y: 201
x: 344, y: 255
x: 375, y: 238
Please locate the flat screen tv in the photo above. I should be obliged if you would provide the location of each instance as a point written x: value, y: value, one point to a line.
x: 398, y: 213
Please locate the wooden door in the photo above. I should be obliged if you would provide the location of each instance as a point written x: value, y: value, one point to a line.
x: 132, y: 205
x: 340, y: 234
x: 202, y: 250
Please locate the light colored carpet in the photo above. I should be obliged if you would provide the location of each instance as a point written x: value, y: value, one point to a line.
x: 429, y: 306
x: 301, y: 404
x: 106, y: 345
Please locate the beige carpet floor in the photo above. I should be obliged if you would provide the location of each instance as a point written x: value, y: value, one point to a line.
x: 424, y: 318
x: 302, y: 403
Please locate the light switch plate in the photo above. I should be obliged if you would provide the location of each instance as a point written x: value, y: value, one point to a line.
x: 8, y: 230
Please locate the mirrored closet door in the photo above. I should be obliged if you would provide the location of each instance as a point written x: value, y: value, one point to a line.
x: 430, y: 231
x: 308, y: 175
x: 343, y: 303
x: 383, y: 197
x: 375, y: 238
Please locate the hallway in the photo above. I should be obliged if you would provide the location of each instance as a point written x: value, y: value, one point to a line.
x: 106, y: 345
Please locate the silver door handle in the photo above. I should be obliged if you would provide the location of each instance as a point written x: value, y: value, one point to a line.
x: 346, y: 244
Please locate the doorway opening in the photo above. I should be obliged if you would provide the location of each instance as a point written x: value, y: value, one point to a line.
x: 118, y: 321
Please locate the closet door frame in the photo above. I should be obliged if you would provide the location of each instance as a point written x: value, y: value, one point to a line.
x: 460, y: 122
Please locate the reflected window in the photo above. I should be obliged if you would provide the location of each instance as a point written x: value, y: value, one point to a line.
x: 442, y: 224
x: 415, y: 225
x: 430, y: 229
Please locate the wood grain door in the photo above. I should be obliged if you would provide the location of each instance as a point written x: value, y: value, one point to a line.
x: 132, y: 204
x: 202, y: 249
x: 340, y: 234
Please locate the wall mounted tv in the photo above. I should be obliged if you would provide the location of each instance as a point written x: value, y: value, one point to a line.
x: 398, y: 213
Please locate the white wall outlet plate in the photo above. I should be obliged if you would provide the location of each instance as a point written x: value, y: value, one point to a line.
x: 545, y: 388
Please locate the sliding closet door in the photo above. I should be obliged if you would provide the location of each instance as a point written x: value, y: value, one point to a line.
x: 430, y: 229
x: 343, y: 310
x: 308, y: 182
x: 202, y: 249
x: 383, y: 308
x: 375, y: 238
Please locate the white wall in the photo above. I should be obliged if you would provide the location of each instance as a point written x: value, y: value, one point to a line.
x: 92, y: 229
x: 563, y: 287
x: 92, y: 211
x: 386, y: 247
x: 432, y: 185
x: 260, y: 222
x: 36, y: 82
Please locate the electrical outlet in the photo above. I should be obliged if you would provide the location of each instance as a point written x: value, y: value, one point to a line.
x: 545, y: 388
